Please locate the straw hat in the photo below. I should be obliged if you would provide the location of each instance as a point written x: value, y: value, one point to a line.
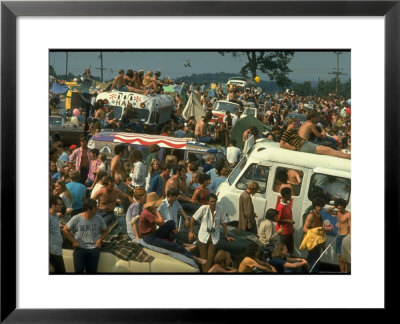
x: 153, y: 200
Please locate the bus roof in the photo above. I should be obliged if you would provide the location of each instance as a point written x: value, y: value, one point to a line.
x: 266, y: 150
x: 147, y: 140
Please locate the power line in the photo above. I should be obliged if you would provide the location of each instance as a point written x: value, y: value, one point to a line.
x: 337, y: 73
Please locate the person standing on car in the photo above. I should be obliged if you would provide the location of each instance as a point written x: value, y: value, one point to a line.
x: 139, y: 171
x: 247, y: 216
x: 211, y: 217
x: 117, y: 168
x: 81, y: 157
x: 89, y: 232
x: 107, y: 196
x: 233, y: 153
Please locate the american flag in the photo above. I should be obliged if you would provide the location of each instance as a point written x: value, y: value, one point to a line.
x: 145, y: 139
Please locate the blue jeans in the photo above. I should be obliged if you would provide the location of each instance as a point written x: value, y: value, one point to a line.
x: 107, y: 215
x: 206, y: 139
x: 313, y: 256
x: 189, y: 207
x: 327, y: 140
x: 86, y: 259
x: 294, y: 270
x: 123, y: 88
x: 158, y: 239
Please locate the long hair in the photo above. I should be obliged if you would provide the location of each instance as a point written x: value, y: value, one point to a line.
x: 64, y: 189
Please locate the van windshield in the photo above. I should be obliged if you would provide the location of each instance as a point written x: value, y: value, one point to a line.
x: 226, y: 106
x: 234, y: 174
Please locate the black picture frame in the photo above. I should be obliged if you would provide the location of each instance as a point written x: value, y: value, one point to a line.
x: 10, y: 10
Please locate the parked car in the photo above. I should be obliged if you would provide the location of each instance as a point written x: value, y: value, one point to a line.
x: 238, y: 80
x: 221, y: 107
x: 67, y: 132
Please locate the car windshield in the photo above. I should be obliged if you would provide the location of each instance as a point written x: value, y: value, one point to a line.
x: 251, y: 111
x: 226, y: 106
x: 238, y: 78
x: 55, y: 121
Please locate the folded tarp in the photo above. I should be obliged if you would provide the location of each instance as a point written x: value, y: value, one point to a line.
x: 58, y: 88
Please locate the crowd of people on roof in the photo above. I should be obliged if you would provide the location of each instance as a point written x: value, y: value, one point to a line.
x: 85, y: 188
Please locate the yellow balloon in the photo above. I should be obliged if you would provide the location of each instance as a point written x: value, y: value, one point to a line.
x: 257, y: 79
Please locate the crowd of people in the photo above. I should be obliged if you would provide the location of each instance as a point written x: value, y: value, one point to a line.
x: 158, y: 195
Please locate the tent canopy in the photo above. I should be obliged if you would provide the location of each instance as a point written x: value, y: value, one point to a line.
x: 243, y: 124
x: 193, y: 108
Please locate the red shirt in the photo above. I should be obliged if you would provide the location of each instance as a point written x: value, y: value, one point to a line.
x: 147, y: 222
x: 285, y: 212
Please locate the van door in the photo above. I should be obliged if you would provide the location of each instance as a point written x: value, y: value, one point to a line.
x: 258, y: 173
x: 293, y: 177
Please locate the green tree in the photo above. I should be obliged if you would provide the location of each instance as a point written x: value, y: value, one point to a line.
x: 52, y: 71
x: 274, y: 64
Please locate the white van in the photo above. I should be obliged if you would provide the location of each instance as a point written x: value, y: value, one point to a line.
x: 321, y: 175
x: 154, y: 110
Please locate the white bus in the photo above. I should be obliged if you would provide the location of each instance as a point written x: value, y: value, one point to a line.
x: 153, y: 110
x: 321, y: 175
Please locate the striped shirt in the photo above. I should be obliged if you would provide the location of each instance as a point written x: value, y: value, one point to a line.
x: 293, y: 139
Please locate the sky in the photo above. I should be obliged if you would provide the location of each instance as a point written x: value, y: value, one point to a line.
x: 306, y: 65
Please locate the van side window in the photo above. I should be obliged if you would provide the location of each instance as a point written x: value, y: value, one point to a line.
x: 239, y: 167
x: 257, y: 173
x: 291, y: 178
x: 329, y: 187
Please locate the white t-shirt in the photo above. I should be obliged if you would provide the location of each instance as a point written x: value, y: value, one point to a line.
x: 233, y: 154
x: 234, y: 120
x: 96, y: 188
x: 203, y: 214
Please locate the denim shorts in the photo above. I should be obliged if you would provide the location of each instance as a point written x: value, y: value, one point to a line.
x: 308, y: 147
x: 339, y: 242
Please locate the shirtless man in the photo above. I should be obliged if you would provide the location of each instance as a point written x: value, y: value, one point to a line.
x: 107, y: 197
x: 309, y: 126
x: 100, y: 113
x: 119, y: 82
x: 313, y: 220
x: 201, y: 131
x: 117, y: 169
x: 344, y: 228
x: 290, y: 140
x: 178, y: 181
x: 130, y: 82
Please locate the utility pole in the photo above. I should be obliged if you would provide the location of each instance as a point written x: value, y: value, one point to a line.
x: 337, y: 73
x: 101, y: 66
x: 66, y: 67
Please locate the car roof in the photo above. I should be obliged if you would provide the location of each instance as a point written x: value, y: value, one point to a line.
x: 271, y: 151
x: 147, y: 140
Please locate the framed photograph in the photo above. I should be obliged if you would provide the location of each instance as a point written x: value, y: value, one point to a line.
x: 30, y: 30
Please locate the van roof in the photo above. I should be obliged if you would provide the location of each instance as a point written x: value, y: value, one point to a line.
x: 266, y: 150
x: 147, y: 140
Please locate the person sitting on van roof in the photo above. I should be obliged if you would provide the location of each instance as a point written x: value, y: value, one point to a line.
x: 119, y: 82
x: 148, y: 81
x: 292, y: 141
x: 130, y: 82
